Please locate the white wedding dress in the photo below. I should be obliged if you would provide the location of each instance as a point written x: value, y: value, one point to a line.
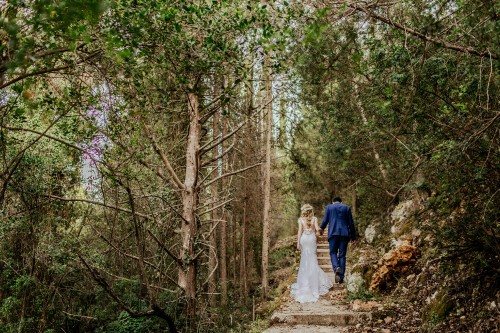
x: 312, y: 281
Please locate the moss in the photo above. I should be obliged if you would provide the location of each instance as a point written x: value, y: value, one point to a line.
x: 438, y: 309
x: 407, y: 227
x: 258, y: 326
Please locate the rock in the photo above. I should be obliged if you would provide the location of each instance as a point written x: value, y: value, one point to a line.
x: 359, y: 305
x: 401, y: 211
x: 370, y: 233
x: 398, y: 242
x: 388, y: 320
x: 416, y: 232
x: 396, y: 261
x: 493, y: 305
x: 355, y: 282
x: 385, y: 330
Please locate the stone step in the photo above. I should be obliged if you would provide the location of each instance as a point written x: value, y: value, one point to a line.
x: 322, y: 313
x: 302, y: 329
x: 323, y: 250
x: 324, y: 261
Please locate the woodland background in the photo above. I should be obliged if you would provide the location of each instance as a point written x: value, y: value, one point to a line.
x: 152, y: 153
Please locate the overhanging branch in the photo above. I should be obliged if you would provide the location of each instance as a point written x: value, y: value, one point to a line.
x: 435, y: 40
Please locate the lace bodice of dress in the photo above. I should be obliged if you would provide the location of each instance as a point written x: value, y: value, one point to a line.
x: 311, y: 229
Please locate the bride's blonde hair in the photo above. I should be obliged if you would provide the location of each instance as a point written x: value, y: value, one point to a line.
x: 307, y: 213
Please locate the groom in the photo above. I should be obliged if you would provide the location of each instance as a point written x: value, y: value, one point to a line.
x: 340, y: 230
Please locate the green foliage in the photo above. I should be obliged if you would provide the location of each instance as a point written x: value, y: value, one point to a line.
x: 127, y: 324
x: 438, y: 309
x: 362, y: 294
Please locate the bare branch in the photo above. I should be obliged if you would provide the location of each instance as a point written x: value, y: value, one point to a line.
x: 164, y: 248
x: 49, y: 70
x: 229, y: 174
x: 219, y: 156
x: 98, y: 203
x: 435, y: 40
x: 174, y: 178
x: 214, y: 143
x: 216, y: 207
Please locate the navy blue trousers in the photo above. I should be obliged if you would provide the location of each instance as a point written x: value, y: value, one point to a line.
x: 338, y: 250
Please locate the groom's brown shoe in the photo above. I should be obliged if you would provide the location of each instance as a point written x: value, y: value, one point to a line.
x: 337, y: 275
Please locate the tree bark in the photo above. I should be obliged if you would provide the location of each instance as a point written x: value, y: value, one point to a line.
x: 354, y: 199
x: 223, y: 229
x: 243, y: 258
x: 187, y: 273
x: 212, y: 255
x: 267, y: 184
x: 381, y: 167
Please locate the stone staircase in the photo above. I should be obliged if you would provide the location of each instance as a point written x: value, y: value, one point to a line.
x: 331, y: 314
x: 323, y: 254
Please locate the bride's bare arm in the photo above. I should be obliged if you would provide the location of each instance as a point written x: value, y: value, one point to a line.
x: 316, y: 224
x: 299, y: 233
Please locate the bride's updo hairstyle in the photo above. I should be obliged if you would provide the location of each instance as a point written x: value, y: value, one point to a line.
x: 307, y: 213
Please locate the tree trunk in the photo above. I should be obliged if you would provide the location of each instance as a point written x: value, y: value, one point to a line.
x: 243, y: 258
x: 187, y: 273
x: 267, y: 184
x: 354, y: 199
x: 381, y: 167
x: 223, y: 229
x: 282, y: 129
x: 233, y: 251
x: 212, y: 254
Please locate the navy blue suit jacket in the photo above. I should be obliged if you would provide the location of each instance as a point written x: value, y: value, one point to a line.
x: 339, y: 219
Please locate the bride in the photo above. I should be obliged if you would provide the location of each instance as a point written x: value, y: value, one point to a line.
x: 311, y: 280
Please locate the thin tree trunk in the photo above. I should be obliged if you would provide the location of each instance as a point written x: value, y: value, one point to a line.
x: 212, y: 255
x: 365, y: 122
x: 282, y: 129
x: 243, y: 266
x: 249, y: 142
x: 187, y: 273
x: 233, y: 251
x: 267, y: 184
x: 354, y: 199
x: 223, y: 229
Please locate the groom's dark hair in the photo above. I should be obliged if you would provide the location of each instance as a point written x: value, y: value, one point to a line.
x: 337, y: 199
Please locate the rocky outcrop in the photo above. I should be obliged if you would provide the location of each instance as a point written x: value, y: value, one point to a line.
x: 394, y: 263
